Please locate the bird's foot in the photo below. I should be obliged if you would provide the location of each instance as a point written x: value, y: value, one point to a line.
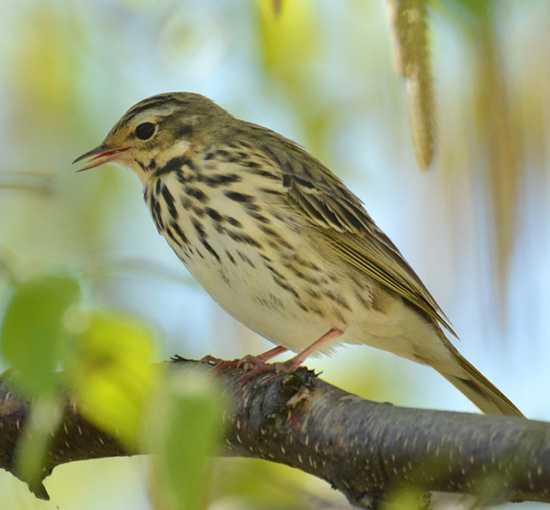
x: 256, y: 365
x: 252, y: 365
x: 277, y: 368
x: 293, y: 363
x: 247, y: 363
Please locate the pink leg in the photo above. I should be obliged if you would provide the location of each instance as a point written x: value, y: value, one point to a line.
x: 293, y: 363
x: 266, y: 356
x: 248, y: 362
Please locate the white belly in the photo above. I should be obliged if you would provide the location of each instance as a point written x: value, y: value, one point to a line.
x: 246, y: 290
x: 288, y: 292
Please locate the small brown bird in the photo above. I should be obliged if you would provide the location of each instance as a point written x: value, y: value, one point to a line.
x: 279, y: 241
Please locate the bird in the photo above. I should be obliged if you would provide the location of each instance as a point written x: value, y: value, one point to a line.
x: 279, y: 241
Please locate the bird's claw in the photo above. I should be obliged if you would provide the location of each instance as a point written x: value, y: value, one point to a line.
x: 253, y: 366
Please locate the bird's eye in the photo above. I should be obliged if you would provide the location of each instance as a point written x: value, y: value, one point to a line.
x: 145, y: 131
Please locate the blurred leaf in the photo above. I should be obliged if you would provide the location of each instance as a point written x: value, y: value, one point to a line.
x: 46, y: 65
x: 186, y: 431
x: 277, y: 6
x: 35, y: 441
x: 110, y: 367
x: 498, y: 136
x: 8, y: 266
x: 33, y: 332
x: 408, y: 25
x: 407, y: 498
x: 257, y: 484
x: 289, y: 41
x: 469, y: 11
x: 502, y: 144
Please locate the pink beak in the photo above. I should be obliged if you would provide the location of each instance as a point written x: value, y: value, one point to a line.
x: 101, y: 154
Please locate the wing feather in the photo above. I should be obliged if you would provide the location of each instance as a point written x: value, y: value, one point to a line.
x: 327, y: 203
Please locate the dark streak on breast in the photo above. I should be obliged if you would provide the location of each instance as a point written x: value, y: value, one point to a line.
x: 220, y: 179
x: 239, y: 197
x: 173, y: 165
x: 257, y: 216
x: 186, y: 203
x: 171, y: 235
x: 179, y: 232
x: 209, y: 248
x: 270, y: 191
x: 339, y: 300
x: 154, y: 207
x: 301, y: 305
x: 285, y: 286
x: 215, y: 215
x: 265, y: 173
x: 275, y: 272
x: 243, y: 238
x: 244, y: 258
x: 275, y: 236
x: 199, y: 229
x: 233, y: 221
x: 168, y: 197
x: 196, y: 193
x: 230, y: 257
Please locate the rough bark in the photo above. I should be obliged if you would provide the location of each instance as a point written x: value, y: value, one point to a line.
x: 362, y: 448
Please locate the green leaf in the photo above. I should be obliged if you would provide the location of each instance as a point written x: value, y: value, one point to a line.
x: 186, y: 432
x: 110, y: 369
x: 35, y: 441
x: 407, y: 497
x: 33, y: 331
x: 289, y: 41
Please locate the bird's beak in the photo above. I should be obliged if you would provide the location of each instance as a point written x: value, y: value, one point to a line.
x: 101, y: 154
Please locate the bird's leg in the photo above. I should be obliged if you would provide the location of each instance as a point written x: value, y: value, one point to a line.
x: 267, y: 355
x: 256, y: 365
x: 248, y: 362
x: 293, y: 363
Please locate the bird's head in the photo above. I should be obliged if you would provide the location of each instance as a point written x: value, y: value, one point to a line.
x: 156, y: 130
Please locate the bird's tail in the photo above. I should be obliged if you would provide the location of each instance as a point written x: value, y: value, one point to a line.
x: 484, y: 394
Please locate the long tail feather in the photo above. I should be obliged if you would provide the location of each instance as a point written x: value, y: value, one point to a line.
x: 485, y: 395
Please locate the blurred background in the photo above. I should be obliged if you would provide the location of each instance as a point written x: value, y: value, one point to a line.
x: 475, y: 227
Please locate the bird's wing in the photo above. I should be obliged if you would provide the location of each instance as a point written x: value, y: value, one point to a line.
x: 318, y: 194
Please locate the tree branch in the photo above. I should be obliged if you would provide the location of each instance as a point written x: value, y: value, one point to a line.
x: 362, y: 448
